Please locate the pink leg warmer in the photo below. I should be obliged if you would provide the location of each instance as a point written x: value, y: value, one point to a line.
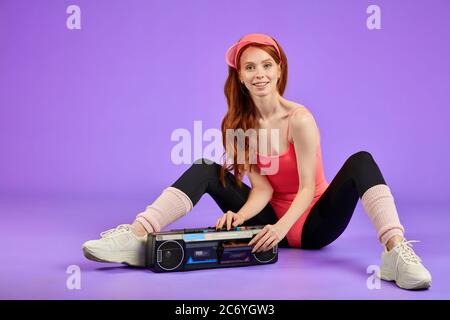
x: 171, y: 205
x: 379, y: 204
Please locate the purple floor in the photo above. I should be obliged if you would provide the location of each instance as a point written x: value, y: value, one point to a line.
x: 42, y: 237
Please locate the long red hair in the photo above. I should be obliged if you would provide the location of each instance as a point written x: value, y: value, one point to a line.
x: 241, y: 112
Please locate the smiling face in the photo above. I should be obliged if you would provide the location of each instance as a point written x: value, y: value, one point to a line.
x: 259, y: 71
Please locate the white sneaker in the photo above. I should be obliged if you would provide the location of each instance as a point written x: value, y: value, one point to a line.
x: 402, y: 265
x: 119, y: 245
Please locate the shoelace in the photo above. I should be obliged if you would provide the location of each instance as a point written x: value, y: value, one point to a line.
x: 119, y: 229
x: 407, y: 253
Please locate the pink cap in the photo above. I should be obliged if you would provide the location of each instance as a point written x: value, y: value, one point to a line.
x: 233, y: 51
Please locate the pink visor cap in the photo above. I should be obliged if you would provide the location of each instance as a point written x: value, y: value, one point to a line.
x: 233, y: 51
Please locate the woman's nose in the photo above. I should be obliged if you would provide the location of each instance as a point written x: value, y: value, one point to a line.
x: 259, y: 73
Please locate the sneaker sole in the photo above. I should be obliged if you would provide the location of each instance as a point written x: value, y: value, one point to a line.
x: 425, y: 284
x: 98, y: 257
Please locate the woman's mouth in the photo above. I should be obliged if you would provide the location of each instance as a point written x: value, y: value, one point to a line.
x: 260, y: 84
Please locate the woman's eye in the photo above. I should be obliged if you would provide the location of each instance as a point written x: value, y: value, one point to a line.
x: 266, y: 65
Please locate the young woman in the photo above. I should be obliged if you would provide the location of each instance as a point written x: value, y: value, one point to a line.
x: 298, y: 207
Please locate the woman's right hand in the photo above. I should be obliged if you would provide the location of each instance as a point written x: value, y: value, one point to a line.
x: 230, y: 219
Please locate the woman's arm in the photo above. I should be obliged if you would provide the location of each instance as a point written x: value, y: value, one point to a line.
x: 259, y: 196
x: 306, y: 138
x: 305, y: 135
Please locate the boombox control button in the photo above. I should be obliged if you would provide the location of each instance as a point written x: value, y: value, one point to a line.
x: 159, y: 255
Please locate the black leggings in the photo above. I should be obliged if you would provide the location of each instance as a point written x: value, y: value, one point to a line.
x: 328, y: 217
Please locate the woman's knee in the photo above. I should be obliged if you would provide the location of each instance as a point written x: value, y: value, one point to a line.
x: 205, y: 161
x: 365, y: 171
x: 360, y: 161
x: 361, y: 156
x: 205, y: 166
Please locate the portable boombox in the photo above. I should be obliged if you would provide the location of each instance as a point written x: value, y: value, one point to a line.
x: 193, y: 249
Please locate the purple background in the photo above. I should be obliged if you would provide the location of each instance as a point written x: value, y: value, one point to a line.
x: 86, y: 115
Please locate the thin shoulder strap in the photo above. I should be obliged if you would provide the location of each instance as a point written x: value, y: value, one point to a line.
x: 289, y: 121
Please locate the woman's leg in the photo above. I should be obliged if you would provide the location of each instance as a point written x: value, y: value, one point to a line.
x: 360, y: 177
x: 125, y: 244
x: 332, y: 212
x: 203, y: 178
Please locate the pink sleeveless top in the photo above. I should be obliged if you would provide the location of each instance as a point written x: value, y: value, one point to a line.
x: 285, y: 183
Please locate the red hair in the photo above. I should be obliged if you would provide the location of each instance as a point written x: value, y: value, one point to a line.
x: 241, y: 112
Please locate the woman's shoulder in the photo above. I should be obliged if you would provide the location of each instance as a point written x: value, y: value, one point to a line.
x: 298, y: 116
x: 297, y: 108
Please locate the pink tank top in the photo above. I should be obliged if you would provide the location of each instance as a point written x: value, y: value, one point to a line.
x: 285, y: 183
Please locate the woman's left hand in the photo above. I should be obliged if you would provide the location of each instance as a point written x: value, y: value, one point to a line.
x: 269, y: 237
